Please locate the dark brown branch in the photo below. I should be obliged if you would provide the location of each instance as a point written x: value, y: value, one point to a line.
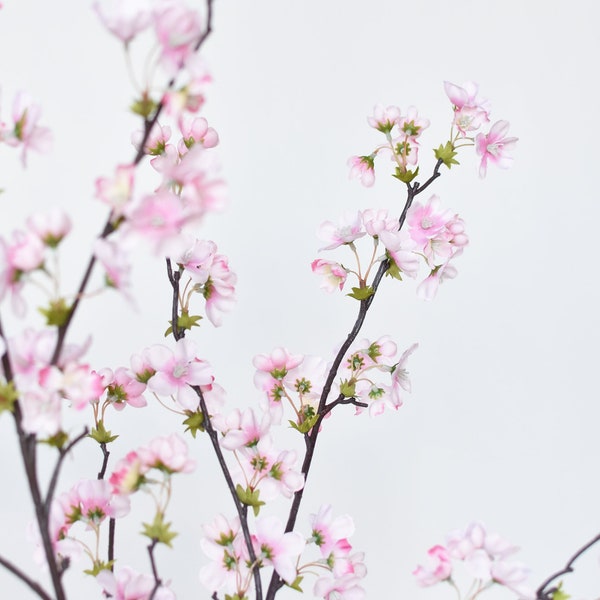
x: 36, y: 587
x: 546, y: 594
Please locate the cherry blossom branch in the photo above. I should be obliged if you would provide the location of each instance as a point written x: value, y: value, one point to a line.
x: 36, y: 587
x: 109, y: 226
x: 157, y: 579
x: 542, y: 593
x: 323, y: 408
x: 242, y: 511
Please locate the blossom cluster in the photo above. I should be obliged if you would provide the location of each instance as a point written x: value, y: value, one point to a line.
x: 230, y: 567
x: 434, y: 235
x: 485, y: 558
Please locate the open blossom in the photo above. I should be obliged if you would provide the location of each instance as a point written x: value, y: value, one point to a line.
x: 346, y: 231
x: 426, y: 221
x: 128, y: 474
x: 470, y: 111
x: 411, y: 126
x: 346, y: 587
x: 51, y: 226
x: 428, y: 288
x: 197, y: 132
x: 384, y: 119
x: 362, y: 168
x: 116, y: 191
x: 327, y: 531
x: 176, y: 370
x: 275, y: 547
x: 334, y: 275
x: 494, y: 147
x: 437, y: 567
x: 167, y: 453
x: 124, y: 19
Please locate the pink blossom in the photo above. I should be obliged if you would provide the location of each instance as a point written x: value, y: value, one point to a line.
x: 168, y: 454
x: 437, y: 567
x: 115, y: 259
x: 50, y: 227
x: 494, y: 147
x: 470, y: 111
x: 123, y: 388
x: 197, y: 132
x: 127, y: 584
x: 348, y: 229
x: 156, y: 141
x: 124, y: 19
x: 277, y: 364
x: 334, y: 275
x: 327, y: 531
x: 362, y: 168
x: 411, y: 126
x: 242, y: 428
x: 275, y: 547
x: 26, y: 130
x: 178, y: 28
x: 177, y: 370
x: 427, y: 221
x: 219, y: 289
x: 76, y: 382
x: 41, y: 412
x: 513, y: 575
x: 376, y: 221
x: 384, y: 119
x: 346, y: 587
x: 428, y: 288
x: 117, y: 190
x: 128, y: 474
x: 400, y: 248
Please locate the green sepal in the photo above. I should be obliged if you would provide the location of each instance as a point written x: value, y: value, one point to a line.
x: 8, y: 396
x: 249, y: 497
x: 57, y: 313
x: 184, y: 321
x: 101, y: 435
x: 559, y: 593
x: 348, y: 388
x: 99, y: 566
x: 446, y: 154
x: 394, y: 271
x: 194, y: 422
x: 58, y: 440
x: 361, y: 293
x: 406, y: 176
x: 144, y: 107
x: 159, y: 531
x: 296, y: 584
x: 305, y: 426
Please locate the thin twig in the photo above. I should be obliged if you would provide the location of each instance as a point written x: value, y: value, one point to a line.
x: 36, y: 587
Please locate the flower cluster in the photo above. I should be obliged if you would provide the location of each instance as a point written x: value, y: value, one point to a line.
x: 434, y: 235
x: 485, y: 558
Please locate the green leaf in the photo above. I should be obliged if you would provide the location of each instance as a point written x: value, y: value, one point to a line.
x: 8, y: 396
x: 306, y: 425
x: 361, y: 293
x: 348, y: 388
x: 101, y: 435
x: 560, y: 594
x: 446, y: 154
x: 144, y: 107
x: 99, y: 566
x: 394, y: 271
x: 296, y: 584
x: 159, y: 531
x: 406, y: 176
x: 184, y: 321
x: 249, y: 497
x: 58, y: 440
x: 194, y: 422
x: 57, y: 313
x: 235, y: 597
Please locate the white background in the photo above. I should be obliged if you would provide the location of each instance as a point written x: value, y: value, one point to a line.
x: 502, y: 423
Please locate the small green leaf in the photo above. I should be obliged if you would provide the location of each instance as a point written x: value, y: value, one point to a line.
x: 58, y: 440
x: 560, y: 594
x: 446, y: 154
x: 249, y: 497
x: 159, y: 531
x: 361, y: 293
x: 394, y: 271
x: 98, y: 567
x: 406, y: 176
x: 296, y: 584
x: 348, y: 388
x: 144, y: 107
x: 306, y: 425
x: 57, y: 313
x: 194, y: 422
x: 8, y: 396
x: 184, y: 321
x: 101, y: 435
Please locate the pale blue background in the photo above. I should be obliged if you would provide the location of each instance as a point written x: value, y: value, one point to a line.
x: 503, y: 422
